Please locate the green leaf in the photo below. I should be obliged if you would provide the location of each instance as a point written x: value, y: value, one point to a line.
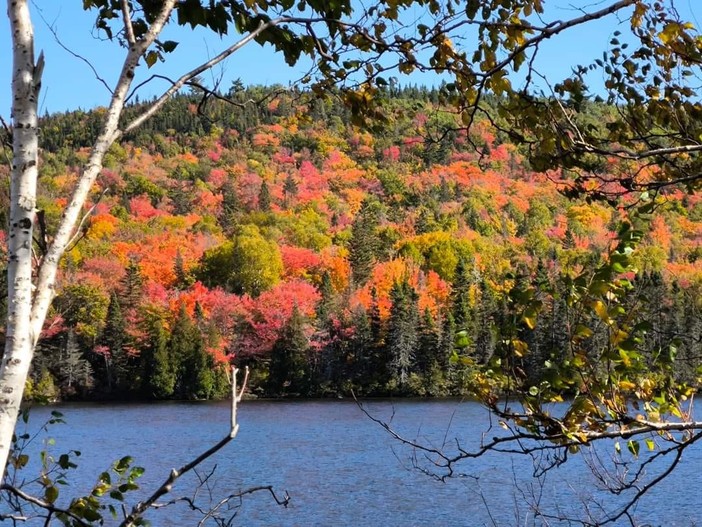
x: 634, y: 447
x: 116, y: 495
x: 51, y: 494
x: 169, y: 45
x: 92, y: 515
x: 22, y: 460
x: 151, y: 58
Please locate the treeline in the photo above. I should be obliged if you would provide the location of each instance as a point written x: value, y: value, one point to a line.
x: 338, y: 349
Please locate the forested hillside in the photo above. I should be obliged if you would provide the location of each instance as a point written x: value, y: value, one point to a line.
x: 331, y: 259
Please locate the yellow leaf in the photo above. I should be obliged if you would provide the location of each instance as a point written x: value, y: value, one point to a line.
x: 529, y: 321
x: 626, y: 385
x: 520, y: 347
x: 601, y: 310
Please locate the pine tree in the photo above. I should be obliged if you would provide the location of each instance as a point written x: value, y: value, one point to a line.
x: 327, y: 304
x: 158, y: 372
x: 402, y: 331
x: 364, y: 244
x: 290, y: 189
x: 183, y: 279
x: 462, y: 309
x: 131, y: 285
x: 117, y: 367
x: 486, y: 312
x: 185, y: 338
x: 198, y: 377
x: 264, y: 198
x: 231, y: 207
x: 75, y: 371
x: 428, y: 346
x: 288, y: 365
x: 362, y: 365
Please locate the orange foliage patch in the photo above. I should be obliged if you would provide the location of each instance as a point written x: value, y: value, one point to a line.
x: 432, y: 290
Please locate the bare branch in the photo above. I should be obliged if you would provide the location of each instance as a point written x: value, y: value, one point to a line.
x: 178, y: 84
x: 127, y: 18
x: 140, y: 508
x: 75, y: 54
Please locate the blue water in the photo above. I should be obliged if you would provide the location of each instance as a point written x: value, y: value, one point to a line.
x: 340, y: 468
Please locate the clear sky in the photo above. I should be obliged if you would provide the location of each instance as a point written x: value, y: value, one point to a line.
x: 69, y: 83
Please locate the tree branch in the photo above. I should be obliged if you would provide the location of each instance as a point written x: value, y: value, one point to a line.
x: 51, y: 508
x: 140, y: 508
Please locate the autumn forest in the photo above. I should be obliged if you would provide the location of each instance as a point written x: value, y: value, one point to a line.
x: 331, y: 258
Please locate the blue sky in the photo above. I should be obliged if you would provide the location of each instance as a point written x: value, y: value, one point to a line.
x: 70, y: 84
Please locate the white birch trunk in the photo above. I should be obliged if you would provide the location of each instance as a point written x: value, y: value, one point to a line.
x: 19, y: 343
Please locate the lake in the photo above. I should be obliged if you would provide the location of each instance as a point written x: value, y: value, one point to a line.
x: 340, y: 468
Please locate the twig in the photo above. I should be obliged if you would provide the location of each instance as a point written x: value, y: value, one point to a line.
x: 52, y: 509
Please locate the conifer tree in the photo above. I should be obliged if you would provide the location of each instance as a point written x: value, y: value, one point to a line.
x: 403, y: 338
x: 159, y: 374
x: 362, y: 364
x: 113, y: 339
x: 288, y: 364
x: 231, y: 207
x: 183, y: 279
x: 264, y: 198
x: 185, y: 338
x: 460, y: 293
x: 132, y: 285
x: 290, y: 189
x: 426, y: 359
x: 364, y: 243
x: 327, y: 304
x: 75, y: 371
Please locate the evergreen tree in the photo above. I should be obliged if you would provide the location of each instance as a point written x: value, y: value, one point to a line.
x: 264, y: 198
x: 159, y: 374
x: 231, y: 207
x: 362, y: 350
x: 117, y: 365
x: 183, y: 279
x: 288, y: 364
x: 290, y: 189
x: 131, y: 285
x: 445, y: 193
x: 447, y: 336
x: 403, y: 338
x: 425, y: 222
x: 327, y: 304
x: 199, y: 373
x: 183, y: 343
x: 74, y: 370
x: 426, y: 358
x: 460, y: 293
x: 364, y: 243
